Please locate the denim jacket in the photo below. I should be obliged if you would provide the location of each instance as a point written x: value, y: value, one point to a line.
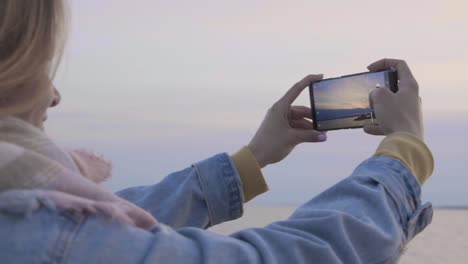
x: 369, y: 217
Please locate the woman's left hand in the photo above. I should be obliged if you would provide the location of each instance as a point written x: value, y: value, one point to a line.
x: 285, y: 126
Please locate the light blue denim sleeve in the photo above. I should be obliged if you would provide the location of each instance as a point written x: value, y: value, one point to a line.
x: 367, y: 218
x: 205, y: 194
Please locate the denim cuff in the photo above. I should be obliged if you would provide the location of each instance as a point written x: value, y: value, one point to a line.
x: 222, y: 187
x: 404, y: 189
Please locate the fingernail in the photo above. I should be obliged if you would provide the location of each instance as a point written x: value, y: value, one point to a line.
x: 322, y: 137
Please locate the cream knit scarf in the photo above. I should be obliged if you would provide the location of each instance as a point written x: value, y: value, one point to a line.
x: 31, y: 165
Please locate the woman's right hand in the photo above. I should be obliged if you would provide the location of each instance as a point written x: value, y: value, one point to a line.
x: 285, y: 126
x: 400, y: 111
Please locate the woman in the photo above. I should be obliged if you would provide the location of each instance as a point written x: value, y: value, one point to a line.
x: 367, y: 218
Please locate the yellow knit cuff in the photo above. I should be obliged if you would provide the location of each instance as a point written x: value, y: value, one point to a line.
x: 411, y: 151
x: 253, y: 182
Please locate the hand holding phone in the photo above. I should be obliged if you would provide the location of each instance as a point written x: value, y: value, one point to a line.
x: 400, y: 111
x: 284, y: 127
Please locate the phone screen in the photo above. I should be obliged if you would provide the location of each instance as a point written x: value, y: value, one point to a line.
x: 344, y: 102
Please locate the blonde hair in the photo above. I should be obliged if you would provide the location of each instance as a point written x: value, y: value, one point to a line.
x: 32, y: 38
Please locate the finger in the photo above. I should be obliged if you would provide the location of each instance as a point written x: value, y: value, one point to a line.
x: 373, y: 129
x: 298, y: 112
x: 300, y: 136
x: 80, y: 205
x: 386, y: 64
x: 379, y: 95
x: 143, y: 219
x: 114, y: 212
x: 291, y: 95
x: 140, y: 217
x: 301, y: 124
x: 404, y: 73
x: 89, y: 209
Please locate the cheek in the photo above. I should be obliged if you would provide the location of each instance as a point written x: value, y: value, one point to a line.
x: 42, y: 105
x: 45, y: 102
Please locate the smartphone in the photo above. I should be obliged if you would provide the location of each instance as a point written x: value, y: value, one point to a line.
x: 343, y: 102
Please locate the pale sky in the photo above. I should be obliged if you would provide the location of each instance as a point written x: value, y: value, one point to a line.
x: 254, y: 50
x: 184, y: 73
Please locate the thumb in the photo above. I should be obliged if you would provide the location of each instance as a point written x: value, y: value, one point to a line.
x: 373, y: 129
x: 378, y: 95
x: 302, y: 135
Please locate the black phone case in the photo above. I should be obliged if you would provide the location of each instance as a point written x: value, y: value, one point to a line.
x: 393, y: 80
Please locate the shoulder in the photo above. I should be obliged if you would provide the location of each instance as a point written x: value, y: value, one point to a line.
x: 31, y: 230
x: 34, y: 229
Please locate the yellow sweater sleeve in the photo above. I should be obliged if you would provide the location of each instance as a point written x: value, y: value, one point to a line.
x: 411, y: 151
x: 253, y: 182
